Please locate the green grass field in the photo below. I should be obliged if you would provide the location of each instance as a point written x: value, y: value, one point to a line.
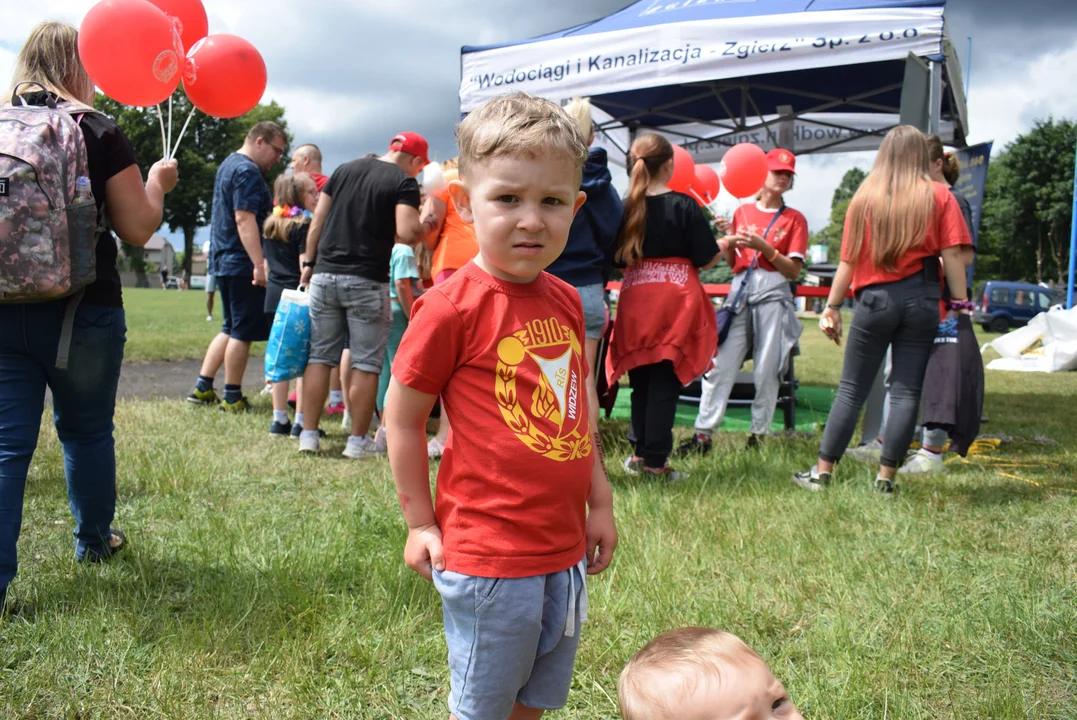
x: 260, y: 584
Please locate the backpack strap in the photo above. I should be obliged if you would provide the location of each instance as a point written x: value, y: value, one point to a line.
x: 63, y: 350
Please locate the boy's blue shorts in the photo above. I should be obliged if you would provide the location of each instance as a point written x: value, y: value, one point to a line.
x: 511, y: 639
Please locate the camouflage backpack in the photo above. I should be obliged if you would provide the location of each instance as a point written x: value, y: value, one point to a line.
x: 48, y: 217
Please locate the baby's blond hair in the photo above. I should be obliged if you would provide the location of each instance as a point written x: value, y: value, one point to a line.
x: 679, y: 660
x: 518, y: 124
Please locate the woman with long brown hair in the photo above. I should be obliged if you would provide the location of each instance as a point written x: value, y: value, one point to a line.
x: 665, y: 330
x: 898, y: 224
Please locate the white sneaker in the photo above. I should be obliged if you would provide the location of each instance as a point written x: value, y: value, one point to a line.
x: 268, y: 389
x: 434, y: 448
x: 346, y: 421
x: 379, y: 439
x: 209, y: 318
x: 308, y: 442
x: 362, y: 447
x: 923, y: 462
x: 868, y: 453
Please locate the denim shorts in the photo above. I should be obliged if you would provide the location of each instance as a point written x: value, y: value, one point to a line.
x: 347, y: 308
x: 593, y: 298
x: 511, y: 639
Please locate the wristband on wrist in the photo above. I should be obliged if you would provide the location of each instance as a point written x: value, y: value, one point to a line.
x: 773, y: 257
x: 832, y: 306
x: 958, y: 305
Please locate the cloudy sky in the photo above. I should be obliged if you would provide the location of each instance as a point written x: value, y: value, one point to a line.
x: 352, y: 73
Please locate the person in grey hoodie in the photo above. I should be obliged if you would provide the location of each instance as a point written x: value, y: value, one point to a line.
x: 587, y: 260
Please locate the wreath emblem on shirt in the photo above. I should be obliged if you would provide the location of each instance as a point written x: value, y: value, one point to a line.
x: 559, y: 396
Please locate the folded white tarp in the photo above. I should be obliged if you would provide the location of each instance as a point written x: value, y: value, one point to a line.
x: 1047, y: 344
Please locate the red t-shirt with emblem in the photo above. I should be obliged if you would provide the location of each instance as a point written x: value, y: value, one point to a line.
x: 507, y: 359
x: 789, y: 234
x: 945, y: 228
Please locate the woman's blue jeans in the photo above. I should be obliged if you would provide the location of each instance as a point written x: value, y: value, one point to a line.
x: 83, y: 400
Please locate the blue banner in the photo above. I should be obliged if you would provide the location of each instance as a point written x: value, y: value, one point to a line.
x: 974, y: 161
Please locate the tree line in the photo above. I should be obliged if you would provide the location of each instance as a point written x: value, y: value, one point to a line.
x: 207, y: 142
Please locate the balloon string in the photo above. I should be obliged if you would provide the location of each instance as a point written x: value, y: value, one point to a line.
x: 168, y: 143
x: 182, y: 131
x: 164, y: 139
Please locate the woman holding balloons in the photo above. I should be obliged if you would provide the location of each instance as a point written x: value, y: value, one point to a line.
x: 766, y: 251
x: 48, y: 70
x: 665, y: 330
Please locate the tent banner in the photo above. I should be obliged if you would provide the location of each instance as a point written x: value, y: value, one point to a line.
x: 698, y: 51
x: 812, y: 132
x: 972, y: 180
x: 970, y: 184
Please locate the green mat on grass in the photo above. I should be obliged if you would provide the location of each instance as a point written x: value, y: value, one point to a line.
x: 813, y: 406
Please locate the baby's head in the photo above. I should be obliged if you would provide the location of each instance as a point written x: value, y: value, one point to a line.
x: 520, y: 167
x: 701, y: 674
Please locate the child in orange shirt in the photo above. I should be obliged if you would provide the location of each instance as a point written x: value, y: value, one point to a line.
x: 509, y: 541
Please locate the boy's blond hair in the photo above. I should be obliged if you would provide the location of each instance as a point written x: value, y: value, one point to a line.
x: 519, y: 124
x: 648, y: 686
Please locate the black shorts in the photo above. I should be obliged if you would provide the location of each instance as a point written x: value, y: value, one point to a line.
x: 244, y: 309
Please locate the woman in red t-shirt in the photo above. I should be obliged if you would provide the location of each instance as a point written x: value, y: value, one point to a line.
x: 898, y: 224
x: 766, y: 251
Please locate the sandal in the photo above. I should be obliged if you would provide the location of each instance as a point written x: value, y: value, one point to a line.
x: 116, y: 544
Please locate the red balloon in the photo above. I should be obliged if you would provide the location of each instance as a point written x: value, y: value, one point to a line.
x: 189, y: 17
x: 706, y: 183
x: 743, y: 170
x: 225, y: 76
x: 683, y: 170
x: 131, y: 51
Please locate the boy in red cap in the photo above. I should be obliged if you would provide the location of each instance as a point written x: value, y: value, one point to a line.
x: 413, y: 144
x: 366, y: 207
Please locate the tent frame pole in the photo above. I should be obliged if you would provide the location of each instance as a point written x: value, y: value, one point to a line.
x: 1073, y: 241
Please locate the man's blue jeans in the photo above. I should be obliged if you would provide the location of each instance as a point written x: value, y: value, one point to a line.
x: 83, y: 398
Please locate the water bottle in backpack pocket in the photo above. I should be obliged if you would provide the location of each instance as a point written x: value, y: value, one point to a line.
x: 48, y: 215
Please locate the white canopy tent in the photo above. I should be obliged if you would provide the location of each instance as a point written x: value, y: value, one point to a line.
x: 807, y: 75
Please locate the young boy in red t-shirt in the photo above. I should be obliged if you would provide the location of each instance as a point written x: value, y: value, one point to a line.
x: 509, y: 541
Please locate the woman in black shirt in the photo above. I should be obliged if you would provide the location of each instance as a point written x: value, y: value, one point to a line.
x: 665, y: 331
x: 83, y: 395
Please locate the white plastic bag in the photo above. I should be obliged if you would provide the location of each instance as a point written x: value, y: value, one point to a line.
x: 1047, y: 344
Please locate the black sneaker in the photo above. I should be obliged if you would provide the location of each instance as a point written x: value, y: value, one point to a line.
x: 297, y: 429
x: 884, y: 486
x: 699, y: 443
x: 280, y: 429
x: 754, y: 442
x: 812, y: 480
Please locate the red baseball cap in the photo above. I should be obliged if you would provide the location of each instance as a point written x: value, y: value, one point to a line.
x: 781, y: 159
x: 413, y: 144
